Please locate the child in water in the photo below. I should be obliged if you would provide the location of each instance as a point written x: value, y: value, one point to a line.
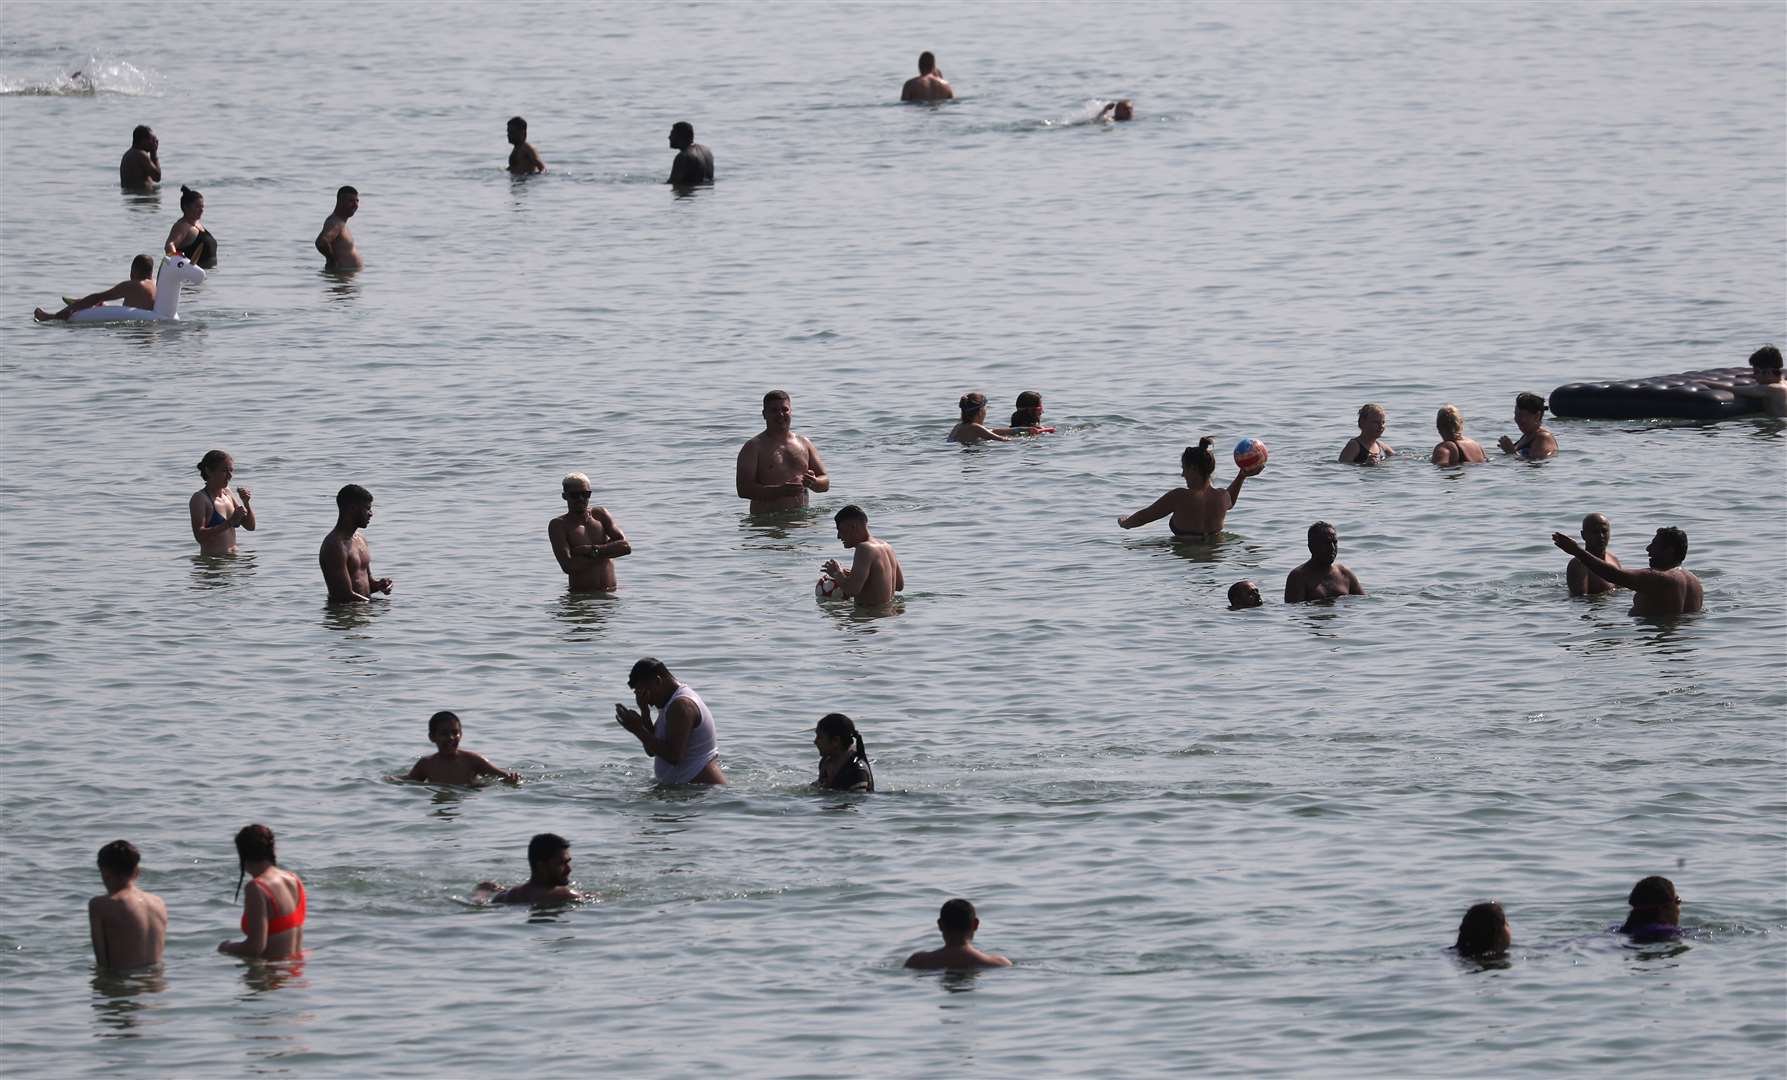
x: 449, y: 764
x: 1027, y: 418
x: 843, y: 760
x: 1366, y: 449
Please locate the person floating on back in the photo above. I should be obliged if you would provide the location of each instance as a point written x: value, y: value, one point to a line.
x: 336, y: 242
x: 524, y: 160
x: 1583, y: 581
x: 1198, y: 510
x: 1656, y: 911
x: 1665, y: 589
x: 928, y: 84
x: 1365, y: 448
x: 874, y: 575
x: 128, y: 926
x: 694, y: 163
x: 958, y: 924
x: 548, y: 876
x: 1243, y: 595
x: 273, y: 908
x: 585, y: 539
x: 1322, y: 577
x: 215, y: 512
x: 140, y: 167
x: 683, y: 743
x: 188, y: 237
x: 344, y: 556
x: 137, y: 292
x: 1454, y: 448
x: 1483, y: 932
x: 1770, y: 390
x: 973, y: 426
x: 843, y: 759
x: 449, y: 764
x: 1536, y: 441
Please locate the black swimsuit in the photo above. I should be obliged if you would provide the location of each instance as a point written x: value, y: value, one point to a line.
x: 201, y: 249
x: 854, y: 772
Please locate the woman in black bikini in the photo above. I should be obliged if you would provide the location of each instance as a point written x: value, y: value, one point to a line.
x: 1454, y: 448
x: 1366, y: 449
x: 188, y: 237
x: 1198, y: 509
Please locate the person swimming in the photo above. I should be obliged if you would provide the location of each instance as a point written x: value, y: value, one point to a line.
x: 1656, y: 913
x: 1198, y: 509
x: 1483, y: 932
x: 843, y: 759
x: 549, y: 877
x: 1243, y: 595
x: 973, y: 426
x: 1454, y: 448
x: 1121, y: 111
x: 1365, y: 449
x: 1026, y: 418
x: 958, y: 923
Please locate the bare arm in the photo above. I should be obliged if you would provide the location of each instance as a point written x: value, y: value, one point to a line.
x: 200, y: 509
x: 325, y: 240
x: 1353, y: 588
x: 175, y: 235
x: 1577, y: 577
x: 1606, y: 571
x: 858, y: 575
x: 96, y: 929
x: 116, y: 292
x: 154, y: 171
x: 817, y: 478
x: 243, y: 495
x: 561, y: 548
x: 1442, y: 454
x: 485, y: 768
x: 1235, y: 484
x: 616, y: 545
x: 1294, y: 592
x: 254, y: 909
x: 1160, y: 508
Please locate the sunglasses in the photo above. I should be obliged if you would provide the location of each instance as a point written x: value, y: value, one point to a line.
x: 575, y: 496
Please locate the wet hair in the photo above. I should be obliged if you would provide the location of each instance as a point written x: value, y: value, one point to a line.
x: 440, y: 720
x: 1652, y: 892
x: 346, y: 191
x: 142, y: 267
x: 1321, y: 526
x: 577, y: 479
x: 852, y: 512
x: 646, y: 669
x: 119, y: 858
x: 776, y: 395
x: 1199, y: 458
x: 1028, y: 410
x: 926, y: 63
x: 212, y: 459
x: 1679, y: 540
x: 1530, y: 402
x: 1766, y: 357
x: 972, y: 402
x: 253, y: 844
x: 140, y: 134
x: 543, y: 845
x: 1480, y: 932
x: 352, y: 495
x: 1373, y: 409
x: 838, y: 726
x: 1450, y: 421
x: 957, y: 917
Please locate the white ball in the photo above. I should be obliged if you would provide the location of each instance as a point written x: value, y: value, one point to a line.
x: 827, y: 589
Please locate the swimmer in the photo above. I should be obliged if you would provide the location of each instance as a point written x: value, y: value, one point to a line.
x: 1595, y: 534
x: 188, y: 237
x: 548, y: 876
x: 1321, y: 578
x: 1454, y: 448
x: 776, y: 468
x: 140, y: 167
x: 335, y: 242
x: 1120, y: 111
x: 216, y: 514
x: 1535, y: 441
x: 273, y: 908
x: 694, y: 163
x: 928, y: 84
x: 973, y: 427
x: 1665, y: 589
x: 1243, y: 595
x: 1656, y: 910
x: 1365, y: 449
x: 524, y: 159
x: 682, y: 744
x: 874, y: 575
x: 1765, y: 363
x: 344, y: 557
x: 958, y: 923
x: 1198, y: 509
x: 128, y: 926
x: 843, y: 759
x: 1026, y: 418
x: 1483, y: 931
x: 137, y: 292
x: 585, y: 539
x: 449, y: 764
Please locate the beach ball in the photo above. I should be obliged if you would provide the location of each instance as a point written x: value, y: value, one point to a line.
x: 827, y: 589
x: 1249, y: 452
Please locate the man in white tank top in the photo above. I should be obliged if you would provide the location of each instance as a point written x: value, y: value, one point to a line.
x: 681, y: 744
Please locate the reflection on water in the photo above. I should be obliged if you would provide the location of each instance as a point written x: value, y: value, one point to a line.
x: 142, y: 201
x: 357, y: 615
x: 220, y: 571
x: 117, y: 1000
x: 447, y: 803
x: 853, y: 618
x: 265, y: 976
x: 958, y: 982
x: 771, y: 530
x: 585, y: 613
x: 343, y: 285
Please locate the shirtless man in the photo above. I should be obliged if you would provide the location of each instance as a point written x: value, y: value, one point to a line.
x: 524, y: 160
x: 335, y: 242
x: 1321, y: 578
x: 1664, y: 590
x: 128, y: 925
x: 1595, y: 533
x: 549, y: 876
x: 777, y: 468
x: 1769, y: 389
x: 585, y: 540
x: 140, y: 168
x: 694, y: 163
x: 958, y: 923
x: 138, y: 292
x: 928, y: 84
x: 874, y: 575
x: 345, y: 558
x: 1536, y: 441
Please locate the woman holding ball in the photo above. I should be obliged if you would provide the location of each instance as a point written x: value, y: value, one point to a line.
x: 1198, y: 509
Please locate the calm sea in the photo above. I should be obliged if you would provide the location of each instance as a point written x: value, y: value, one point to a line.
x: 1215, y: 844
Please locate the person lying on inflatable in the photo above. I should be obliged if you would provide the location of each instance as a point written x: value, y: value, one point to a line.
x: 138, y: 292
x: 143, y: 301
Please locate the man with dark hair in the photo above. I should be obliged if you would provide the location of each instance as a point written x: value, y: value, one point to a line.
x: 776, y: 467
x: 1242, y: 595
x: 140, y: 168
x: 344, y: 557
x: 682, y: 743
x: 1656, y: 910
x: 928, y: 84
x: 128, y: 926
x: 138, y: 292
x: 1536, y: 440
x: 958, y: 923
x: 335, y: 242
x: 1770, y: 390
x: 1596, y: 532
x: 548, y: 876
x: 874, y: 575
x: 1665, y: 589
x: 1322, y: 577
x: 694, y: 163
x: 524, y: 160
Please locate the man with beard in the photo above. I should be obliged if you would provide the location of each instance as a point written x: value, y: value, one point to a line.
x: 1666, y: 589
x: 548, y: 880
x: 344, y: 557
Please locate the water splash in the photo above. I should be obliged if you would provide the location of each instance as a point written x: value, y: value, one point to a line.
x: 89, y: 78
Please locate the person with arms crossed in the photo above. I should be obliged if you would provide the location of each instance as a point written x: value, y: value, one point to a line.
x: 216, y: 514
x: 585, y: 539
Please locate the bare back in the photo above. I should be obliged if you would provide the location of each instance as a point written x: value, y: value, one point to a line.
x: 1667, y: 593
x: 879, y: 570
x: 129, y: 928
x: 1459, y: 451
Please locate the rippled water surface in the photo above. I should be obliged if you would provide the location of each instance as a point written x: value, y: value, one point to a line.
x: 1214, y: 843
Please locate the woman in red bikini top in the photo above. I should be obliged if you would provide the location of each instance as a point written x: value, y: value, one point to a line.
x: 273, y: 906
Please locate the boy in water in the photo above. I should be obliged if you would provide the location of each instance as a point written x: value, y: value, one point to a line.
x: 449, y: 764
x: 138, y: 292
x: 524, y: 159
x: 129, y: 926
x: 958, y: 922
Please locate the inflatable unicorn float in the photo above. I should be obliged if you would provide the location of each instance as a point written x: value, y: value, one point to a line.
x: 175, y: 271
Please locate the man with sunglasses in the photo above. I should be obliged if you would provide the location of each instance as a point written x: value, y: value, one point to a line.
x: 586, y: 540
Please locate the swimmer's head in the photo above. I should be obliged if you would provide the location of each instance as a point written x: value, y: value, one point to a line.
x: 443, y: 728
x: 682, y: 134
x: 651, y: 680
x: 214, y: 462
x: 1371, y: 420
x: 1124, y: 111
x: 1529, y: 412
x: 1596, y: 531
x: 1668, y: 548
x: 549, y: 859
x: 926, y: 64
x: 958, y: 920
x: 973, y: 405
x: 1324, y: 543
x: 191, y: 201
x: 118, y: 862
x: 1199, y: 460
x: 577, y: 487
x: 1766, y: 364
x: 853, y: 525
x: 1243, y: 594
x: 1483, y: 931
x: 254, y: 844
x: 517, y: 130
x: 347, y: 200
x: 142, y: 268
x: 1450, y: 422
x: 1029, y: 410
x: 142, y: 138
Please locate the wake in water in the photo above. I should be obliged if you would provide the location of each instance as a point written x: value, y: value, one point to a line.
x: 1094, y: 111
x: 90, y: 78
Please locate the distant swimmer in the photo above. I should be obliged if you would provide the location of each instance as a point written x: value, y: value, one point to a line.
x: 449, y: 764
x: 682, y: 743
x: 1770, y: 390
x: 1366, y: 448
x: 843, y: 759
x: 273, y: 906
x: 140, y: 168
x: 1656, y: 913
x: 776, y: 467
x: 335, y: 242
x: 958, y: 923
x: 694, y: 163
x: 1483, y: 932
x: 1536, y: 441
x: 217, y: 513
x: 1454, y: 448
x: 1026, y: 418
x: 928, y: 84
x: 129, y: 926
x: 548, y: 876
x: 1321, y: 578
x: 874, y: 575
x: 188, y: 237
x: 524, y: 159
x: 1120, y: 111
x: 1243, y: 595
x: 973, y: 426
x: 585, y: 539
x: 1198, y: 509
x: 1663, y: 590
x: 345, y: 558
x: 1582, y: 581
x: 138, y: 292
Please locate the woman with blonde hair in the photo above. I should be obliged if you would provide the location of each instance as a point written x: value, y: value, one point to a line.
x: 1454, y: 448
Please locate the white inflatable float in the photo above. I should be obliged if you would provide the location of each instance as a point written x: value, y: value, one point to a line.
x: 175, y: 272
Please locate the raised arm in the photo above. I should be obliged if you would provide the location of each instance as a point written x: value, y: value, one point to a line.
x: 1240, y: 478
x: 243, y: 496
x: 1606, y: 571
x: 1160, y: 508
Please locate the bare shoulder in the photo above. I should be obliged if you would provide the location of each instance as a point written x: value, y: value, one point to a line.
x: 922, y: 960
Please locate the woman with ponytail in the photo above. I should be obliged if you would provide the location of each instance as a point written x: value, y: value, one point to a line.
x: 188, y: 237
x: 273, y: 906
x: 1198, y: 509
x: 843, y: 760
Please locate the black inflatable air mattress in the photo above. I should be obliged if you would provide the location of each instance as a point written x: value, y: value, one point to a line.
x: 1691, y: 395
